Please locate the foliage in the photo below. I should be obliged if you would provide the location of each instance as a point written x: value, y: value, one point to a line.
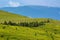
x: 30, y: 24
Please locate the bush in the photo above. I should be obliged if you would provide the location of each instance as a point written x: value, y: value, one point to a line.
x: 2, y: 35
x: 5, y: 23
x: 33, y: 24
x: 42, y: 23
x: 4, y: 27
x: 23, y: 24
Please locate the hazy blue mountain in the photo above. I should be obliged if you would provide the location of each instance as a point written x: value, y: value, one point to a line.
x: 35, y: 11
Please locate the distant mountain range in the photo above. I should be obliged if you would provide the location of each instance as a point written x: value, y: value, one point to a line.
x: 35, y: 11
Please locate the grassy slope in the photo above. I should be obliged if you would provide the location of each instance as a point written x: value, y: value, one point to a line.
x: 22, y: 33
x: 6, y: 16
x: 50, y: 31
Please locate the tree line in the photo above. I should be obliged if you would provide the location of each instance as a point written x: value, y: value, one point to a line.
x: 27, y: 24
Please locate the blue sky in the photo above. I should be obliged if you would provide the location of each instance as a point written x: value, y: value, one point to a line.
x: 16, y: 3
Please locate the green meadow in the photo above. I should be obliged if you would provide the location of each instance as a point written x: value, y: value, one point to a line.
x: 48, y: 29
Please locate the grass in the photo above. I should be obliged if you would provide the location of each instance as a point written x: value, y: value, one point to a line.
x: 8, y: 32
x: 49, y: 31
x: 23, y: 33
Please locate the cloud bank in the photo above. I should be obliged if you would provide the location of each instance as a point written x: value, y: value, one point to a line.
x: 16, y: 3
x: 13, y: 4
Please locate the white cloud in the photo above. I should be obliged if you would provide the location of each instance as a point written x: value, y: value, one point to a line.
x: 13, y: 4
x: 16, y: 3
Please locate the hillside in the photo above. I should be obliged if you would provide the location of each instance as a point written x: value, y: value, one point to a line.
x: 48, y: 30
x: 6, y: 16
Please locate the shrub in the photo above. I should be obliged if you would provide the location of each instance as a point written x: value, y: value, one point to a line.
x: 2, y: 35
x: 5, y: 23
x: 30, y: 24
x: 23, y: 24
x: 4, y: 27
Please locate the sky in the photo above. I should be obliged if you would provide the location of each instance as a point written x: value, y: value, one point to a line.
x: 16, y: 3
